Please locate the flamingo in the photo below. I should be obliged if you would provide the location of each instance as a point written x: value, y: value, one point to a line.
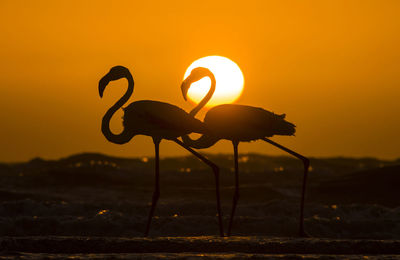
x: 240, y: 123
x: 158, y: 120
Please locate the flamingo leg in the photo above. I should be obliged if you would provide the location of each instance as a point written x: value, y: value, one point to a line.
x: 236, y: 194
x: 156, y: 193
x: 306, y: 163
x: 216, y: 174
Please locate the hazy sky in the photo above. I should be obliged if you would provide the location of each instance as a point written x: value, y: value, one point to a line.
x: 332, y: 66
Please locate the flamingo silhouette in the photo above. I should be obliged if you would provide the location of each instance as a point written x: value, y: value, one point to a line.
x: 239, y: 123
x: 158, y: 120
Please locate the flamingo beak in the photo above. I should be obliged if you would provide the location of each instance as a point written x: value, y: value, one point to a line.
x: 103, y: 84
x: 185, y: 88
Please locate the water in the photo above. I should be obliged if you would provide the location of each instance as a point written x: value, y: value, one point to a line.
x: 92, y: 195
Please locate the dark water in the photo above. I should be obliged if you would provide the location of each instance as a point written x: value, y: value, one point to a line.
x: 96, y: 195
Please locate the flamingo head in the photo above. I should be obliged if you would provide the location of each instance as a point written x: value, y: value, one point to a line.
x: 115, y: 73
x: 195, y: 75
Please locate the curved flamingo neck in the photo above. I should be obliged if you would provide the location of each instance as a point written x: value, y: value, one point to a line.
x: 105, y: 125
x: 207, y: 98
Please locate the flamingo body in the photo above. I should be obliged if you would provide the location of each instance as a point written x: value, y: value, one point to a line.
x: 159, y: 120
x: 246, y: 123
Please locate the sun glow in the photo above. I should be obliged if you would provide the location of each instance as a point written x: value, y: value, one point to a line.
x: 229, y: 80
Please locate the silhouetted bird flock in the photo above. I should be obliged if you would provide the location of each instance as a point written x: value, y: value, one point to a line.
x: 159, y: 120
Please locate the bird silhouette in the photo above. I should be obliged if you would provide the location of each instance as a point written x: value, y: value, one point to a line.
x: 240, y: 123
x: 158, y: 120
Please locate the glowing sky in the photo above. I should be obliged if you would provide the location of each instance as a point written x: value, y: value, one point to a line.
x: 332, y: 66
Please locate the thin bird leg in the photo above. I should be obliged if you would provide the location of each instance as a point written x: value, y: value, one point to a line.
x: 216, y: 173
x: 156, y: 193
x: 306, y: 163
x: 236, y: 195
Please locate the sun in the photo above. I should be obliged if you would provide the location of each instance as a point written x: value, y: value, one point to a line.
x: 229, y: 80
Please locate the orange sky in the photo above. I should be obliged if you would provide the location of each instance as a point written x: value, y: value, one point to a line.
x: 332, y: 66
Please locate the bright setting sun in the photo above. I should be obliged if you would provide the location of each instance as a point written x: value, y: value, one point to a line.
x: 229, y: 78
